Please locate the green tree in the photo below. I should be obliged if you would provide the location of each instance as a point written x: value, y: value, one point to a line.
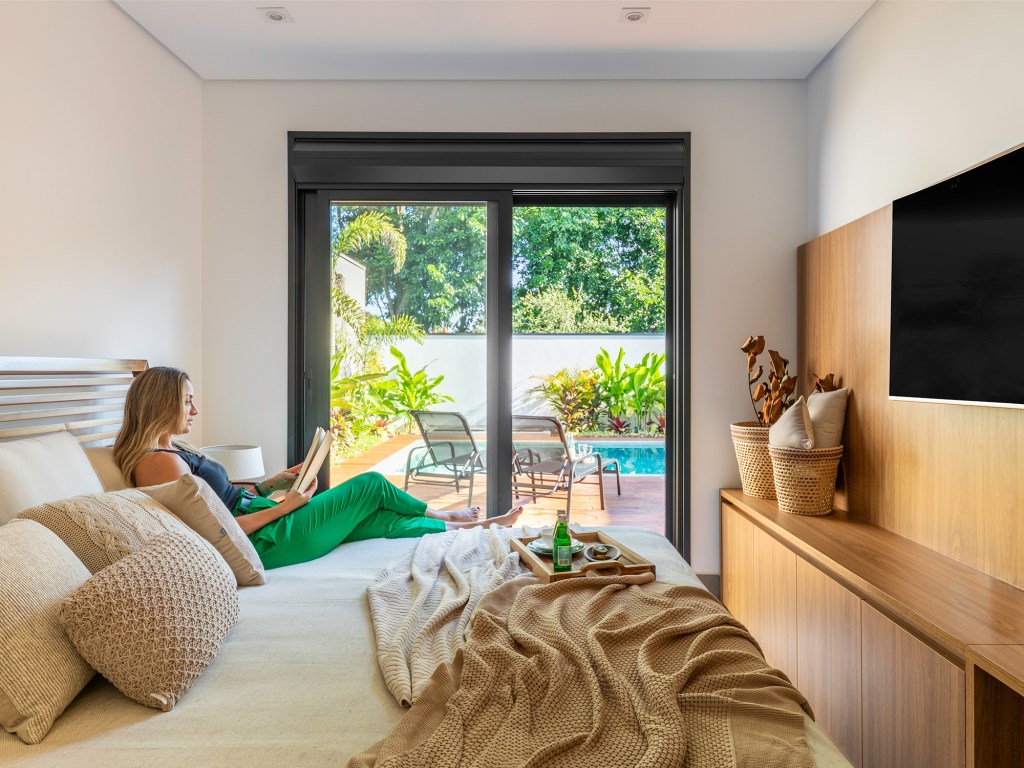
x: 613, y: 257
x: 552, y: 310
x: 443, y: 280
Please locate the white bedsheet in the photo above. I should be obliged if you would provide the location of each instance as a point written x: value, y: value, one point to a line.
x: 296, y: 684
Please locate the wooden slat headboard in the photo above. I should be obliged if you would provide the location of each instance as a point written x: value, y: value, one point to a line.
x: 49, y: 394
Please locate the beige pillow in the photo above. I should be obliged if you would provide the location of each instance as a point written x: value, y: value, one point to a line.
x: 44, y: 468
x: 103, y: 464
x: 193, y: 501
x: 794, y: 428
x: 102, y: 528
x: 40, y: 670
x: 828, y: 413
x: 154, y: 620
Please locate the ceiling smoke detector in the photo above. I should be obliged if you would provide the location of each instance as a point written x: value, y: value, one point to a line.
x: 634, y: 15
x: 276, y: 15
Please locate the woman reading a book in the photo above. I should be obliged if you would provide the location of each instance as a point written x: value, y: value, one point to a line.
x: 294, y: 529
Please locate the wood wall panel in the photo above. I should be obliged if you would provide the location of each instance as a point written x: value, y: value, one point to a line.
x: 913, y: 700
x: 945, y: 476
x: 828, y: 640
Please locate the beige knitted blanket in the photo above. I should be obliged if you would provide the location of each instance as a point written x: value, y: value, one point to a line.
x: 421, y: 604
x: 601, y: 673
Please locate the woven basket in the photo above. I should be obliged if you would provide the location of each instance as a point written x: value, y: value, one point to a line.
x: 805, y: 481
x: 750, y: 440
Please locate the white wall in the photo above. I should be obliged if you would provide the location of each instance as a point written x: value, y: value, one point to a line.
x: 101, y: 196
x: 748, y: 214
x: 916, y: 92
x: 461, y: 359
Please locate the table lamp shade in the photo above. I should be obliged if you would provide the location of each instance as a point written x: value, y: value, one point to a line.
x: 242, y: 462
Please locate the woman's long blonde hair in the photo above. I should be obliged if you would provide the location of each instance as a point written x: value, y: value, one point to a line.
x: 154, y: 406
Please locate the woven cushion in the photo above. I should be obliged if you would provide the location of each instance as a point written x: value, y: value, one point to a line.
x: 154, y: 620
x: 40, y: 670
x: 44, y: 468
x: 103, y: 464
x: 102, y: 528
x: 828, y: 412
x: 192, y: 500
x: 794, y: 428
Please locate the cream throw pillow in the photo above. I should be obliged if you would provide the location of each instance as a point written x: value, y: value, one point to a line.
x: 828, y: 413
x: 193, y: 501
x: 40, y: 670
x: 794, y: 428
x: 103, y: 464
x: 153, y: 621
x: 102, y: 528
x: 44, y: 468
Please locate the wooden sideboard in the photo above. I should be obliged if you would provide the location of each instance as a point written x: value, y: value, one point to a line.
x: 908, y: 658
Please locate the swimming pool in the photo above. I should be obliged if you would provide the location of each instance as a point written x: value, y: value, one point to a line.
x: 635, y: 457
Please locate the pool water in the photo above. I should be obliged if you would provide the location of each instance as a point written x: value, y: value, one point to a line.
x: 635, y: 457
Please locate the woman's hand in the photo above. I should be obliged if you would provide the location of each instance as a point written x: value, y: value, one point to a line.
x: 293, y: 499
x: 282, y: 480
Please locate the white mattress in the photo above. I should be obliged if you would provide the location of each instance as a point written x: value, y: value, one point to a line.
x: 296, y: 684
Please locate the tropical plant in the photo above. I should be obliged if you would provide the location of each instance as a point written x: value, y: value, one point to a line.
x: 412, y: 391
x: 573, y: 395
x: 613, y: 387
x: 777, y: 393
x: 646, y: 389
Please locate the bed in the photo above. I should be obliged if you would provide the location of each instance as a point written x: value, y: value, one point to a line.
x: 297, y: 680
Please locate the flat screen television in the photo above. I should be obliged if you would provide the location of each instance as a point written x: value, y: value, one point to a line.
x: 957, y: 322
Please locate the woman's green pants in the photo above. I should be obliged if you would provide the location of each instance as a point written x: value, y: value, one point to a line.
x: 366, y: 507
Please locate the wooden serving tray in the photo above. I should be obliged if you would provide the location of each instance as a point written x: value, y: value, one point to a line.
x: 629, y: 562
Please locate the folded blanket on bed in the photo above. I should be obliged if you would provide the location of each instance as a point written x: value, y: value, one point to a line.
x: 596, y: 672
x: 421, y: 604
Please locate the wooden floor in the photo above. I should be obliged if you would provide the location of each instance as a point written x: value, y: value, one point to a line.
x: 642, y: 502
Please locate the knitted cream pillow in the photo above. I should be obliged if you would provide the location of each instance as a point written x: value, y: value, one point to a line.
x: 40, y: 670
x: 193, y: 501
x: 154, y: 620
x: 102, y: 528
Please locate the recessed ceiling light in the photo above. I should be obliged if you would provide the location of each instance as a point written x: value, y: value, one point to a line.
x: 634, y: 15
x: 276, y: 15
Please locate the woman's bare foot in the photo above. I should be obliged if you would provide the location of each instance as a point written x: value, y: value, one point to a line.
x: 508, y: 519
x: 467, y: 515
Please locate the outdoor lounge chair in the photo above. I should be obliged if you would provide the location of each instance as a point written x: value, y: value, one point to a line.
x: 544, y: 464
x: 449, y: 454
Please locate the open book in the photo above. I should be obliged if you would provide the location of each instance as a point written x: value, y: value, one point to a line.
x: 315, y: 457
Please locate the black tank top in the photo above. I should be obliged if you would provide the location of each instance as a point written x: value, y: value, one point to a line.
x: 213, y: 473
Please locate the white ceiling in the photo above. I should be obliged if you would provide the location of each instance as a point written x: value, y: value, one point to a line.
x: 498, y: 39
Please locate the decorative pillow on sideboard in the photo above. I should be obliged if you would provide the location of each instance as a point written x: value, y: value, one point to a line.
x: 192, y: 501
x: 104, y: 527
x: 40, y: 670
x: 828, y: 413
x: 794, y: 428
x: 44, y: 468
x: 153, y: 621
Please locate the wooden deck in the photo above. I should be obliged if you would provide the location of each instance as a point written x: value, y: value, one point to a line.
x: 642, y: 502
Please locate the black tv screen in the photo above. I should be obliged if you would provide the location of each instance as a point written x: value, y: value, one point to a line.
x: 957, y: 322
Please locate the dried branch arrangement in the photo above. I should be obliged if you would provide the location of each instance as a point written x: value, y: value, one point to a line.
x: 826, y: 384
x: 771, y: 397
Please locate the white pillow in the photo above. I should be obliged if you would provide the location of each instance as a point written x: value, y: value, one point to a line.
x: 794, y: 428
x: 828, y: 413
x: 35, y: 470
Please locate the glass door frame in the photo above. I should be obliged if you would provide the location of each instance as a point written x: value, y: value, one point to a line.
x: 313, y: 343
x: 492, y: 168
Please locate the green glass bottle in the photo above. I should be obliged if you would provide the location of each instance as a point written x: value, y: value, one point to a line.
x: 561, y: 544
